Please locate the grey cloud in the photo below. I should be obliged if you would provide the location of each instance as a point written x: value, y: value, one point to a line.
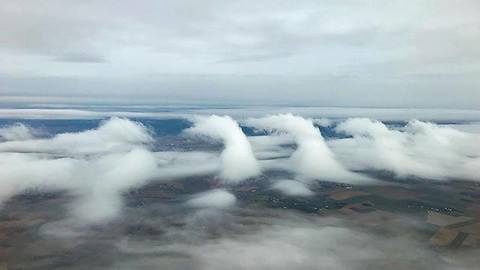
x: 80, y: 58
x: 285, y: 240
x: 255, y: 57
x: 310, y: 45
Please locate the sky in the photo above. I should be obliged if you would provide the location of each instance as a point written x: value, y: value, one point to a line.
x: 373, y: 53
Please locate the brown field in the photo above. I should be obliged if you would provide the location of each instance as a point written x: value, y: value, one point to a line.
x: 344, y: 195
x: 396, y: 193
x: 445, y: 220
x: 443, y: 237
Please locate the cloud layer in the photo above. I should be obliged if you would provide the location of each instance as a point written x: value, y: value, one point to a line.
x: 359, y: 53
x: 264, y: 239
x: 419, y: 149
x: 97, y: 167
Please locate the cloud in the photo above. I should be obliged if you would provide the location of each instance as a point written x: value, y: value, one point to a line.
x: 255, y: 58
x: 335, y: 114
x: 111, y: 176
x: 267, y: 239
x: 323, y: 122
x: 379, y: 55
x: 210, y: 230
x: 21, y: 172
x: 419, y: 149
x: 80, y: 58
x: 473, y: 127
x: 292, y: 188
x: 96, y: 183
x: 238, y: 160
x: 216, y: 198
x: 98, y: 166
x: 16, y: 132
x: 95, y: 166
x: 116, y: 134
x: 300, y: 247
x: 312, y: 159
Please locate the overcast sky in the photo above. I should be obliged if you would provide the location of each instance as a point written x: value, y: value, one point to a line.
x: 423, y: 53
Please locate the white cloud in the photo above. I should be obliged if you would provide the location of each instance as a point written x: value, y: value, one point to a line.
x: 313, y: 158
x: 97, y: 183
x: 107, y: 179
x: 216, y: 198
x: 323, y: 122
x: 116, y: 134
x: 466, y: 127
x: 16, y: 132
x: 419, y: 149
x: 95, y: 166
x: 238, y: 160
x: 292, y: 188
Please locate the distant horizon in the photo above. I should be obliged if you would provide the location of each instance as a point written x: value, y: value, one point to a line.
x: 127, y: 101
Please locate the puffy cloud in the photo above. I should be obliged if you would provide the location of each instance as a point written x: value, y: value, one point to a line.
x: 238, y: 160
x: 292, y: 188
x: 95, y: 166
x: 216, y: 198
x: 21, y: 172
x: 313, y: 158
x: 206, y: 232
x: 116, y: 134
x: 16, y: 132
x: 323, y: 122
x: 107, y: 178
x: 96, y: 183
x: 419, y: 149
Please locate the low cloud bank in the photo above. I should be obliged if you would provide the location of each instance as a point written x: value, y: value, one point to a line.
x: 238, y: 160
x: 16, y: 132
x: 277, y: 240
x: 419, y: 149
x: 312, y: 159
x: 116, y: 134
x: 99, y: 165
x: 117, y: 160
x: 95, y: 166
